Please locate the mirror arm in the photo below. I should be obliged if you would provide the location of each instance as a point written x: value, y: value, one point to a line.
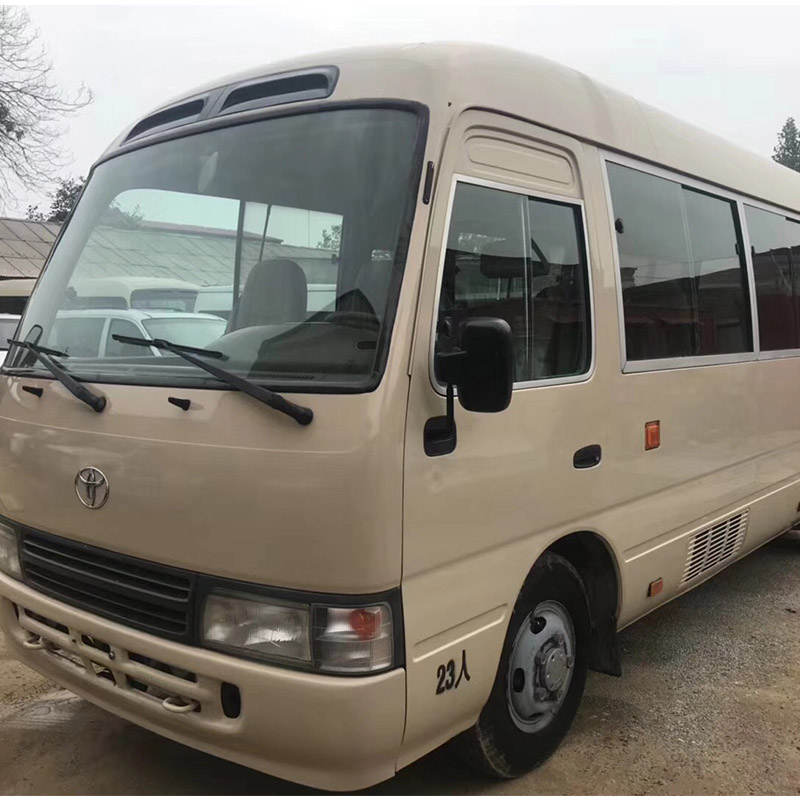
x: 440, y: 434
x: 450, y: 408
x: 450, y: 366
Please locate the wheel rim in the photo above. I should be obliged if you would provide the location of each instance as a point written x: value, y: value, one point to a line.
x: 541, y: 666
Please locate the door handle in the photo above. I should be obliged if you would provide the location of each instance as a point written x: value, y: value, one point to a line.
x: 587, y: 457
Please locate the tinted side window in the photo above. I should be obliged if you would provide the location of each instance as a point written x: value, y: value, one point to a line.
x: 719, y: 274
x: 793, y: 236
x: 560, y: 291
x: 771, y: 240
x: 520, y: 259
x: 79, y: 336
x: 684, y: 284
x: 485, y: 268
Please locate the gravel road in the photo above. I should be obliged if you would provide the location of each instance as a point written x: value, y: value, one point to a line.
x: 709, y: 703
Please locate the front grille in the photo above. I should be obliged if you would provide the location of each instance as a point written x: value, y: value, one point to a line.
x: 137, y: 593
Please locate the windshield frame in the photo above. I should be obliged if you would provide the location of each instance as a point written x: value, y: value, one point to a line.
x: 371, y: 381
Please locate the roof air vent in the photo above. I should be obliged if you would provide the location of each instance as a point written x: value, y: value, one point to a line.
x: 288, y: 87
x: 168, y: 118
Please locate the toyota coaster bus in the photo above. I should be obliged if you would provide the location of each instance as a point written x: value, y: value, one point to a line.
x: 556, y: 387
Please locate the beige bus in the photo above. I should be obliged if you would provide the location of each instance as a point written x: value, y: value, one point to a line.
x: 558, y: 387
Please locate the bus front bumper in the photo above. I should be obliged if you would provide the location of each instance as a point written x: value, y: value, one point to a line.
x: 332, y: 733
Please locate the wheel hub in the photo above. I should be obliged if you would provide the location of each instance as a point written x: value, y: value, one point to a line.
x: 540, y: 666
x: 554, y: 669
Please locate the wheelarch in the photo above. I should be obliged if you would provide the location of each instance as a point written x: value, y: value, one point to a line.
x: 594, y: 561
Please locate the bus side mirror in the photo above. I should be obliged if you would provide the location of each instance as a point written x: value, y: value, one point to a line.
x: 483, y: 369
x: 483, y: 372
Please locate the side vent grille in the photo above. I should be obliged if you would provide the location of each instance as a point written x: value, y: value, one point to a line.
x: 712, y: 546
x: 168, y: 118
x: 291, y: 87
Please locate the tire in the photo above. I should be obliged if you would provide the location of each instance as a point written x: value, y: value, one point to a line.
x: 505, y: 742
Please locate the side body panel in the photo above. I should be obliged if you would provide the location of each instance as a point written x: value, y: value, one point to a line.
x: 476, y: 520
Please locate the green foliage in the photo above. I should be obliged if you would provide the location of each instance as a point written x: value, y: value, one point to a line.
x: 66, y: 195
x: 331, y: 239
x: 61, y: 201
x: 787, y: 151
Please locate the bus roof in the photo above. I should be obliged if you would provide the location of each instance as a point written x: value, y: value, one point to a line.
x: 17, y: 287
x: 123, y: 285
x: 451, y: 77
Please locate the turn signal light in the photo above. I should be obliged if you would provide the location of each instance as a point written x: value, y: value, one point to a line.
x: 652, y: 435
x: 366, y: 622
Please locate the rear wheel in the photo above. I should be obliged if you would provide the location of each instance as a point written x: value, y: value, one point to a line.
x: 541, y: 676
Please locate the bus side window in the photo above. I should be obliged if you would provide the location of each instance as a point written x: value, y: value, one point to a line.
x: 775, y: 243
x: 520, y: 259
x: 559, y: 282
x: 682, y: 268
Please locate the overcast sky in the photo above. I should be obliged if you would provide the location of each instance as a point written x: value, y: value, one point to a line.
x: 731, y: 70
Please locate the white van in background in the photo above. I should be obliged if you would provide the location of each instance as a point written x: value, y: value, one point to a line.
x: 14, y: 294
x: 218, y: 300
x: 141, y: 292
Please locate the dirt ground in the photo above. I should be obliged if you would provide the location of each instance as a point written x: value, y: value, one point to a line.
x: 709, y: 704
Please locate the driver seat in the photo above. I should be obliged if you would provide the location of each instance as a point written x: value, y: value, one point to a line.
x: 275, y: 292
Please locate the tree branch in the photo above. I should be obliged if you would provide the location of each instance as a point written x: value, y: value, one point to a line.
x: 31, y: 106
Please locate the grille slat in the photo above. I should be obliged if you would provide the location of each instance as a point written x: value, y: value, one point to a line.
x: 101, y: 581
x: 117, y: 603
x: 178, y: 585
x: 79, y: 596
x: 131, y: 591
x: 712, y: 546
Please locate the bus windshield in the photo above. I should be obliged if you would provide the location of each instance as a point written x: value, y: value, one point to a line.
x: 292, y: 230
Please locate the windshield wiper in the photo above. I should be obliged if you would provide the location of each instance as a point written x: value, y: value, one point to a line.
x: 95, y: 401
x: 298, y: 413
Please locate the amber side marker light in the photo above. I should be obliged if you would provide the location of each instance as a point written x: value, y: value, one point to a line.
x: 656, y: 587
x: 652, y: 435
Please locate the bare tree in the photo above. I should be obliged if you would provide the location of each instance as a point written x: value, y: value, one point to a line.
x: 31, y: 106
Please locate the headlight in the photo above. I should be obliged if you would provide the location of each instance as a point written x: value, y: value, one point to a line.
x: 9, y: 552
x: 269, y: 629
x: 309, y: 635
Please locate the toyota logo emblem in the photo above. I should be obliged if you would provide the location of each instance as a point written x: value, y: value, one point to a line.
x: 91, y: 486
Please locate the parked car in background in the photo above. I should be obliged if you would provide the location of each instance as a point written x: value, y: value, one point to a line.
x: 88, y: 333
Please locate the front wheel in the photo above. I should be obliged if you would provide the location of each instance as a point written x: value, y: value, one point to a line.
x: 541, y: 676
